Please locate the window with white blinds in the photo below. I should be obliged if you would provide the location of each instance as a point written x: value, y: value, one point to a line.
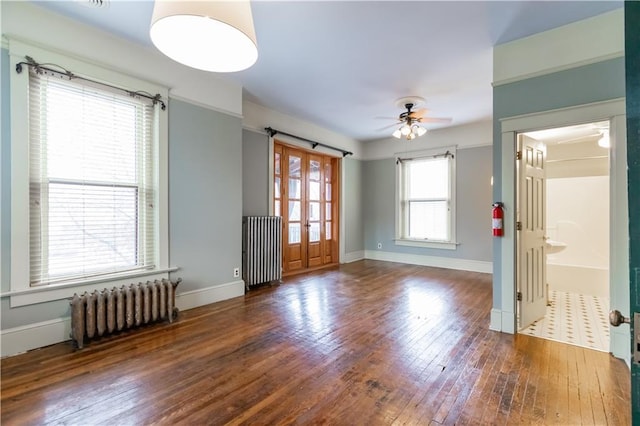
x: 426, y: 202
x: 91, y: 181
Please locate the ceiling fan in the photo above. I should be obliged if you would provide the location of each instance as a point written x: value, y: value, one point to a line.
x: 409, y: 119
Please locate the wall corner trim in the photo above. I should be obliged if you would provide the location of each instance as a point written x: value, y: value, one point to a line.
x: 353, y: 256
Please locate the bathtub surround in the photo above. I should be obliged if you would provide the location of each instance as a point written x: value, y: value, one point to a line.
x: 578, y: 215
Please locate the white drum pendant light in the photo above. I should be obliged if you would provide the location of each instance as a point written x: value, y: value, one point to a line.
x: 207, y: 35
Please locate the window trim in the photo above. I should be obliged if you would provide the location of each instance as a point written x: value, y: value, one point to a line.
x: 400, y: 239
x: 20, y: 257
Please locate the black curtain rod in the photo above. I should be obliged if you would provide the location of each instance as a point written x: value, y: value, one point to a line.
x: 42, y: 68
x: 314, y: 144
x: 444, y: 154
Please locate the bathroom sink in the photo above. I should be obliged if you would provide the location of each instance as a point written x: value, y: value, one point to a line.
x: 554, y: 246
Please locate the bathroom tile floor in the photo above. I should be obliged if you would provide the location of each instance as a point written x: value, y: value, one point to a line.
x: 576, y: 319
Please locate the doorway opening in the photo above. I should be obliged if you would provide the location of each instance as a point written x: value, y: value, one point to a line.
x: 562, y: 245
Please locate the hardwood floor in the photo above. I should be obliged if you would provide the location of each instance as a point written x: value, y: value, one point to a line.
x: 360, y: 344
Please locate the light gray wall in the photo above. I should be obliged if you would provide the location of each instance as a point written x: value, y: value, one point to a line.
x: 353, y: 223
x: 255, y: 173
x: 205, y: 195
x: 473, y: 206
x: 582, y: 85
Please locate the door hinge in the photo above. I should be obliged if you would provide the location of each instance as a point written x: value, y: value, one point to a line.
x: 519, y: 155
x: 518, y: 226
x: 519, y: 296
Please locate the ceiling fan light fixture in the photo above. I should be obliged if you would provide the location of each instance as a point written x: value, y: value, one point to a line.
x: 213, y: 36
x: 405, y: 130
x: 397, y: 134
x: 420, y: 131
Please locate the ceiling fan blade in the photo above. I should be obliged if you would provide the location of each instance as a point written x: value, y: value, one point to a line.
x: 434, y: 120
x: 387, y: 127
x: 386, y: 118
x: 419, y: 113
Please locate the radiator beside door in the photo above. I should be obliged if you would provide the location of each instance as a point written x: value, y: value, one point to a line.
x: 261, y: 249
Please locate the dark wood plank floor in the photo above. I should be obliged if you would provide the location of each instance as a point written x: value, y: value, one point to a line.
x: 365, y: 343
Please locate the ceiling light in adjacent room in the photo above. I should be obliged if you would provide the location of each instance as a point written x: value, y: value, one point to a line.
x: 208, y: 35
x: 604, y: 141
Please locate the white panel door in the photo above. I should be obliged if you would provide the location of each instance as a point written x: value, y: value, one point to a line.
x: 531, y: 265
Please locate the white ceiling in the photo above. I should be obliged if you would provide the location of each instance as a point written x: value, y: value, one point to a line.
x: 342, y: 65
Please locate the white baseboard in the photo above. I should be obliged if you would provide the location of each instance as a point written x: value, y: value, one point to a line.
x: 435, y: 261
x: 21, y: 339
x: 496, y: 320
x: 354, y: 256
x: 205, y: 296
x: 27, y: 337
x: 508, y: 320
x: 502, y: 321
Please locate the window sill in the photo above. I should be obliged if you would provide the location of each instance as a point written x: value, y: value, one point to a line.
x: 443, y: 245
x: 48, y: 293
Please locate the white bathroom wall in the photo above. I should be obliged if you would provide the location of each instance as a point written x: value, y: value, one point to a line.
x: 578, y: 215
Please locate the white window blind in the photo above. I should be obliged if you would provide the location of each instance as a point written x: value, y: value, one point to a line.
x: 92, y: 191
x: 426, y: 198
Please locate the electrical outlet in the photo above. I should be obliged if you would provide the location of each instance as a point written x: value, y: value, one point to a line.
x: 236, y: 272
x: 379, y: 245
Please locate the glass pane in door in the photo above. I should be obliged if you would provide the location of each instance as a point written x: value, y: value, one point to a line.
x: 294, y: 210
x: 314, y: 170
x: 314, y: 191
x: 314, y: 211
x: 294, y: 166
x: 294, y: 188
x: 294, y: 233
x: 314, y: 232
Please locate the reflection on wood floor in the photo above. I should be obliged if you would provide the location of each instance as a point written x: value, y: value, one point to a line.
x: 365, y: 343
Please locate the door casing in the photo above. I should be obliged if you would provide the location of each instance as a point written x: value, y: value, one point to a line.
x: 503, y: 314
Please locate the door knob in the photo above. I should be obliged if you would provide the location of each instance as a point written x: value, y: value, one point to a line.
x: 616, y: 318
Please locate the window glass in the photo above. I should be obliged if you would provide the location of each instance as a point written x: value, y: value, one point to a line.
x: 92, y: 191
x: 428, y: 178
x: 425, y: 199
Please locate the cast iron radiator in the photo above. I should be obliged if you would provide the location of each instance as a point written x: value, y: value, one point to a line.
x: 261, y: 249
x: 109, y: 311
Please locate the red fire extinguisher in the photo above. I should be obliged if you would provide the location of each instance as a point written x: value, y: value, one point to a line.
x: 497, y: 221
